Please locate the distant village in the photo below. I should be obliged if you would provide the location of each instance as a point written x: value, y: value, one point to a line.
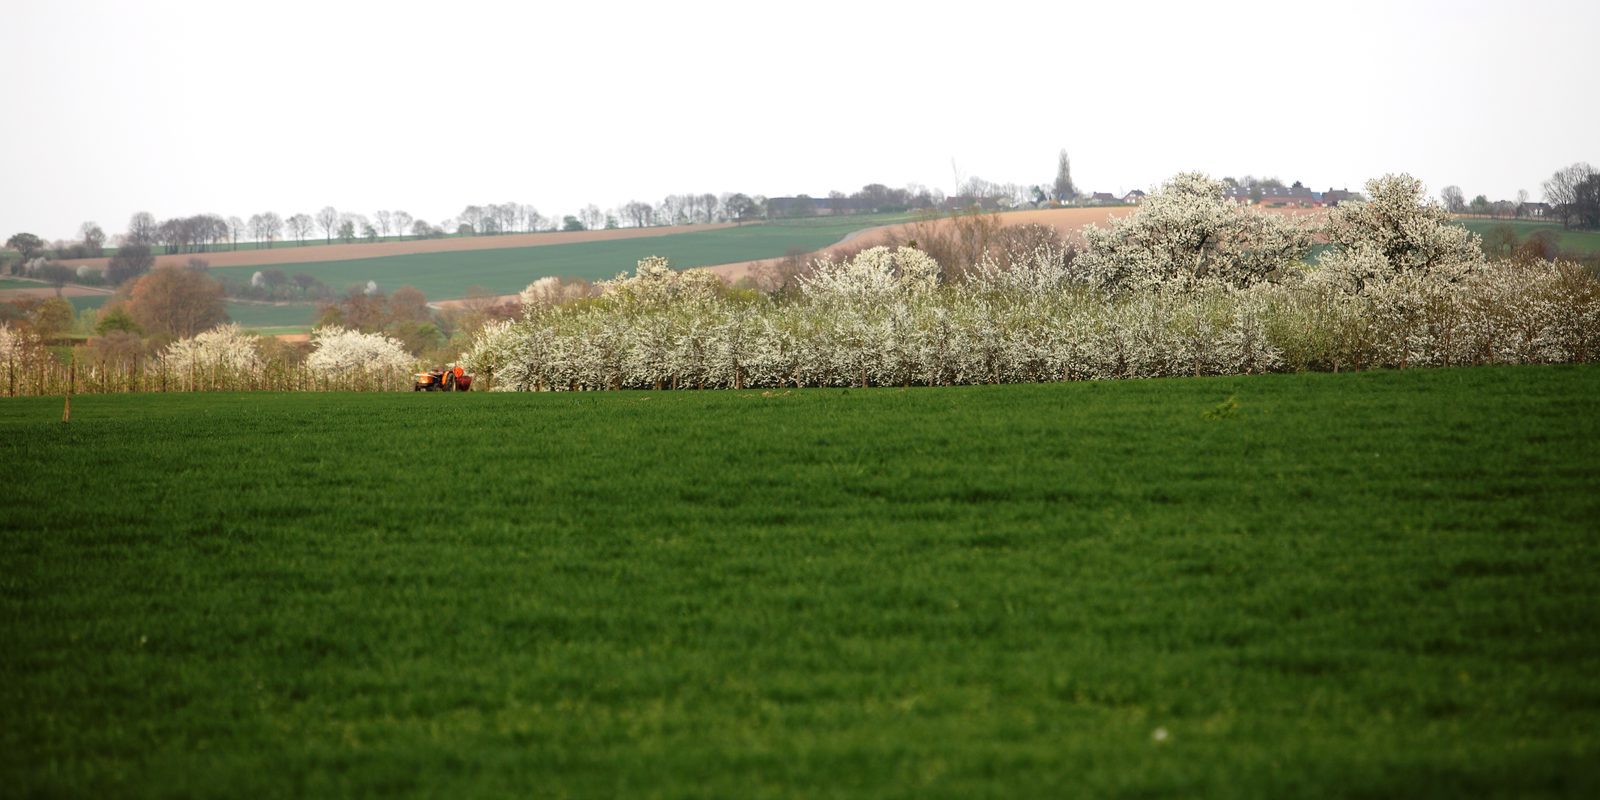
x: 1250, y: 193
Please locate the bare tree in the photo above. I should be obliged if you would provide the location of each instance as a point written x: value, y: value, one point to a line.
x: 170, y: 234
x: 358, y: 225
x: 300, y: 225
x: 235, y: 230
x: 531, y: 218
x: 1455, y: 201
x: 592, y: 217
x: 1563, y: 191
x: 385, y: 221
x: 271, y: 226
x: 94, y: 239
x: 328, y: 220
x: 402, y: 221
x: 142, y: 228
x: 130, y: 260
x: 670, y: 209
x: 739, y: 207
x: 472, y: 217
x: 638, y: 214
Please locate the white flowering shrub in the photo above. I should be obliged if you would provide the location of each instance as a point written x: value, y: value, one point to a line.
x: 14, y: 345
x: 1185, y: 234
x: 884, y: 318
x: 224, y: 348
x: 551, y: 291
x: 337, y: 351
x: 1399, y: 231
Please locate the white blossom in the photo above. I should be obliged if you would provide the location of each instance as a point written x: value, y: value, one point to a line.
x: 224, y: 347
x: 1223, y: 292
x: 14, y: 344
x: 1185, y: 233
x: 338, y: 350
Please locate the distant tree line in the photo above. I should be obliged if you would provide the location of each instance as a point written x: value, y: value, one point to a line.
x: 1571, y: 197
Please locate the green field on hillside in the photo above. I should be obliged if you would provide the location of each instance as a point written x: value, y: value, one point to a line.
x: 88, y: 301
x: 248, y: 315
x: 507, y: 271
x: 1362, y: 585
x: 281, y: 244
x: 1579, y: 242
x: 264, y: 316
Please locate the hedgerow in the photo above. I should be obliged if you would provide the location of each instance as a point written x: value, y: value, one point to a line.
x: 1191, y: 285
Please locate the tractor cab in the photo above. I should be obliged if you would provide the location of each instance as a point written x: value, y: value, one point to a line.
x: 442, y: 380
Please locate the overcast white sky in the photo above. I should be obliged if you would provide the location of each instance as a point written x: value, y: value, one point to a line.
x: 238, y: 108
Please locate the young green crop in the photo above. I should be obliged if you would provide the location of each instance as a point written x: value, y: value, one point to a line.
x: 508, y: 271
x: 1374, y: 584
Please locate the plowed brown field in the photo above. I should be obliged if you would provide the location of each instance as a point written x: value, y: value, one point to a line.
x: 291, y: 254
x: 44, y: 290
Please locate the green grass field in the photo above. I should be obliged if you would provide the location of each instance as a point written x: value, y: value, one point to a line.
x: 279, y: 245
x: 88, y: 301
x: 1576, y: 241
x: 1362, y: 585
x: 507, y: 271
x: 275, y: 317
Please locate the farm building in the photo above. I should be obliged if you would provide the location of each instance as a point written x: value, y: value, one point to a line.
x: 1134, y: 197
x: 966, y: 201
x: 1534, y: 210
x: 1334, y: 197
x: 804, y: 206
x: 1296, y: 196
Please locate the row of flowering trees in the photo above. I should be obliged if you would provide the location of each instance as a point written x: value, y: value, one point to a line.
x: 1190, y: 285
x: 222, y: 358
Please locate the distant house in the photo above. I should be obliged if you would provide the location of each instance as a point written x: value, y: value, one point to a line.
x: 1334, y: 197
x: 1134, y: 197
x: 803, y: 206
x: 962, y: 202
x: 1535, y: 210
x: 1102, y: 199
x: 1296, y: 196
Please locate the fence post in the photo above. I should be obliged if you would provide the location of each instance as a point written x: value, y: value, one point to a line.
x: 72, y: 384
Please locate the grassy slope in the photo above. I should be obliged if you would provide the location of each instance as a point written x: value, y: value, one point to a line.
x: 263, y: 316
x: 249, y: 315
x: 506, y: 271
x: 88, y: 301
x: 1381, y: 584
x: 1576, y: 241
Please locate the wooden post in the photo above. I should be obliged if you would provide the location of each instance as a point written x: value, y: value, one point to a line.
x: 72, y: 385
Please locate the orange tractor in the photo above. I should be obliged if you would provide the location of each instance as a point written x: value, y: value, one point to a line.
x: 442, y: 380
